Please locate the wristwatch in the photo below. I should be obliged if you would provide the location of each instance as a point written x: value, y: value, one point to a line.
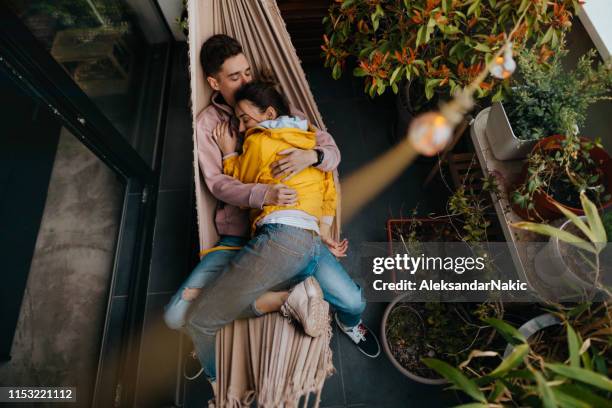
x: 320, y: 157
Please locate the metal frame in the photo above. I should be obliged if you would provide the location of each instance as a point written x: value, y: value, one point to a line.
x: 34, y: 69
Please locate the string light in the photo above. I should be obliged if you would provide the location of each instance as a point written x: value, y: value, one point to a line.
x: 504, y: 66
x: 429, y: 133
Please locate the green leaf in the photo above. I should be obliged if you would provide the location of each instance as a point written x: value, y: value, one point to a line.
x: 499, y: 95
x: 482, y: 47
x: 346, y: 4
x: 567, y: 401
x: 456, y: 377
x: 430, y: 84
x: 546, y: 394
x: 472, y: 9
x: 511, y: 334
x: 582, y: 375
x: 592, y: 214
x: 578, y: 223
x: 336, y: 71
x: 547, y: 37
x: 573, y: 343
x: 555, y: 39
x: 447, y: 5
x: 523, y: 6
x: 562, y: 235
x: 359, y: 72
x: 499, y: 389
x: 513, y: 360
x: 585, y: 394
x: 394, y: 75
x: 420, y: 38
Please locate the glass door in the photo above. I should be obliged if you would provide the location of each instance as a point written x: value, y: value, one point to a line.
x: 82, y: 85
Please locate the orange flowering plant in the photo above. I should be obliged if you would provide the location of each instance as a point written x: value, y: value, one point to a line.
x: 442, y: 43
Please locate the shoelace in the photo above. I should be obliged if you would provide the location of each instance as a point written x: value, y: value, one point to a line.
x: 359, y: 332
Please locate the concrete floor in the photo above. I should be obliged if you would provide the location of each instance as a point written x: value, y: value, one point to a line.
x: 58, y: 336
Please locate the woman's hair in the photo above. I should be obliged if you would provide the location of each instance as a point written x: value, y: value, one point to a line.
x: 263, y: 95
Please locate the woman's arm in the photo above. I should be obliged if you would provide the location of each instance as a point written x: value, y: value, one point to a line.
x: 223, y: 187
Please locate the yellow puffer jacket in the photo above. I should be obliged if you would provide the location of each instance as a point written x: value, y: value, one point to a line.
x: 315, y: 188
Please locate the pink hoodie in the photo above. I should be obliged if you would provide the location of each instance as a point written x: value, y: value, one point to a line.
x: 231, y: 193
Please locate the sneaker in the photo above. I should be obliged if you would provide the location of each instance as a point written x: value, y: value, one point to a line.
x: 305, y: 304
x: 363, y: 337
x: 192, y: 368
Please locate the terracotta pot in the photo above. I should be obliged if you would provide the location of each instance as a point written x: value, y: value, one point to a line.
x: 543, y: 202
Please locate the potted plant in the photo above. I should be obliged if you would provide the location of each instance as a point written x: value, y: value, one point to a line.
x: 448, y: 331
x: 433, y: 47
x: 411, y: 331
x: 571, y: 258
x: 560, y: 364
x: 557, y: 170
x: 541, y: 98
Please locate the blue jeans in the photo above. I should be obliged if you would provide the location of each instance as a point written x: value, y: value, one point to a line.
x: 338, y: 289
x: 209, y: 269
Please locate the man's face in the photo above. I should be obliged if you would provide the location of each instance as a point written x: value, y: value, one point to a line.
x: 234, y: 73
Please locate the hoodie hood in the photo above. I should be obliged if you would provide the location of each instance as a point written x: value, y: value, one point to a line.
x: 291, y: 130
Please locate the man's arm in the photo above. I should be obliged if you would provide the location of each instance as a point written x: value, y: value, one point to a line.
x: 223, y: 187
x: 325, y: 143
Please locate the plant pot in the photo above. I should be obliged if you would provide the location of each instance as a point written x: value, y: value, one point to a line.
x: 533, y: 326
x: 544, y: 203
x: 552, y: 269
x: 504, y: 143
x: 391, y: 357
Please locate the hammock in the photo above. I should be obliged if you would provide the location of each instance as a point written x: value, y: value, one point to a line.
x: 264, y: 359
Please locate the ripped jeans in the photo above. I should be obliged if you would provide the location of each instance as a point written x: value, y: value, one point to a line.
x: 343, y: 294
x: 209, y: 269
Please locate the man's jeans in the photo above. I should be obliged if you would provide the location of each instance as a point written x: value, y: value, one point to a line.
x: 209, y: 269
x: 338, y: 289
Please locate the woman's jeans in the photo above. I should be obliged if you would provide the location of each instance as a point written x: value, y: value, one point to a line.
x: 308, y: 257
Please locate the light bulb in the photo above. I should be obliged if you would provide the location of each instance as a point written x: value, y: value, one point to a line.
x: 429, y: 133
x: 504, y: 65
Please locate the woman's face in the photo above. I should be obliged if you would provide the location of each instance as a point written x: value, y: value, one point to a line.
x: 250, y: 115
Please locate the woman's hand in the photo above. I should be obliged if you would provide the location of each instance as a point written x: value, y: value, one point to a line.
x: 281, y: 195
x: 295, y: 161
x: 337, y: 248
x: 225, y: 139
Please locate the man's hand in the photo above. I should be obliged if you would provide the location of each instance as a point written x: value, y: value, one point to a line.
x: 227, y: 142
x: 337, y: 248
x: 280, y: 194
x: 295, y: 161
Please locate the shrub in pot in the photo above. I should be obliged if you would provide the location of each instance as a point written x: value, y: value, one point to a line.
x: 411, y: 331
x: 541, y: 100
x: 561, y: 365
x: 556, y: 171
x: 434, y: 45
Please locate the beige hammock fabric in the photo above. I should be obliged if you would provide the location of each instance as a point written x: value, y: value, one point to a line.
x: 265, y: 359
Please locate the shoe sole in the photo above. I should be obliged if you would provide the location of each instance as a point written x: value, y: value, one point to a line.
x: 352, y: 342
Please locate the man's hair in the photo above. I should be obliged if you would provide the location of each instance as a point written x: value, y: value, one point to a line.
x: 263, y: 95
x: 216, y: 50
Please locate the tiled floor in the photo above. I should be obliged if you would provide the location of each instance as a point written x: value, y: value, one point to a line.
x: 363, y: 128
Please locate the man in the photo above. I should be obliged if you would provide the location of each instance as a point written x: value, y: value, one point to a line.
x: 226, y: 69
